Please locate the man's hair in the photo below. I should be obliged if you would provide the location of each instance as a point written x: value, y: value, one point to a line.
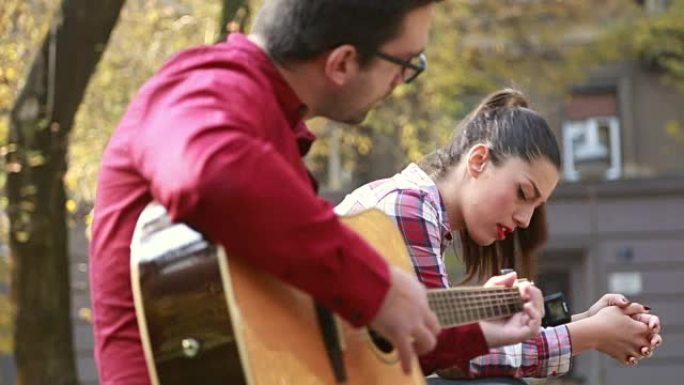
x: 296, y: 30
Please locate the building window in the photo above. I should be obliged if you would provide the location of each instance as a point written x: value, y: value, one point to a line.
x: 591, y: 148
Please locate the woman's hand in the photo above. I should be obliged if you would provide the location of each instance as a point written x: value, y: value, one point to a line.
x: 618, y: 300
x: 653, y: 323
x: 638, y: 312
x: 504, y: 280
x: 519, y: 327
x: 627, y: 335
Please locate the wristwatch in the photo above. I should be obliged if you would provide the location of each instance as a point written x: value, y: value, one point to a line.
x: 556, y: 310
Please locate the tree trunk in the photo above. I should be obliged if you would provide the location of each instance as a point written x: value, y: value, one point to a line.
x: 40, y: 124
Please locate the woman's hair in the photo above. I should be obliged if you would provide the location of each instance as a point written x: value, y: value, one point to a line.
x: 503, y: 122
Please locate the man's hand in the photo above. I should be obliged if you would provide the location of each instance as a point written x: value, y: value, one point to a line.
x: 405, y: 319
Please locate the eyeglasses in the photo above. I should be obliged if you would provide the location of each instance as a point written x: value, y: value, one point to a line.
x: 410, y: 69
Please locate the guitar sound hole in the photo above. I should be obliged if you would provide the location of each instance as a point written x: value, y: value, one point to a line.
x: 382, y: 344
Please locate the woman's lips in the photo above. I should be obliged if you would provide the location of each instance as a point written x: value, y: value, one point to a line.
x: 502, y: 231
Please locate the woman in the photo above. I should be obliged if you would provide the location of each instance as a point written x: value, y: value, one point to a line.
x: 490, y: 184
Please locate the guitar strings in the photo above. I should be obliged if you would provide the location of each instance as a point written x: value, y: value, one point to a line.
x: 461, y: 305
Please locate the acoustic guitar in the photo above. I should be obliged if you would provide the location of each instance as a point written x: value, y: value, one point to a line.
x: 206, y: 318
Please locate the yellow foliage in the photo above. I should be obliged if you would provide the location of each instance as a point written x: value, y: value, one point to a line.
x: 147, y: 34
x: 71, y: 205
x: 541, y: 47
x: 674, y: 129
x: 22, y: 24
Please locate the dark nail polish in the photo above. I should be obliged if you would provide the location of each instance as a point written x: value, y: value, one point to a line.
x: 648, y: 308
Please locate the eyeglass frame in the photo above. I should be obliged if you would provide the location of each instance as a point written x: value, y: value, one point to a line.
x: 405, y: 64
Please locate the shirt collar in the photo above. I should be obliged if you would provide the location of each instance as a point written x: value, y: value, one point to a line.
x: 416, y: 174
x: 292, y: 107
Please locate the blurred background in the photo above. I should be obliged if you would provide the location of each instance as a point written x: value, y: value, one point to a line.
x: 608, y: 76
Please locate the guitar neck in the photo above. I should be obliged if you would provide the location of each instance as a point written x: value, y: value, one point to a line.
x: 462, y: 305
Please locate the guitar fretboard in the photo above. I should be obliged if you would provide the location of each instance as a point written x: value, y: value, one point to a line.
x: 461, y: 305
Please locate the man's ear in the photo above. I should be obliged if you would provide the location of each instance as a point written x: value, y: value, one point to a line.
x: 478, y: 158
x: 341, y: 64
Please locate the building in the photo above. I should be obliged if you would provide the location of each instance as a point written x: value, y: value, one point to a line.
x: 617, y: 221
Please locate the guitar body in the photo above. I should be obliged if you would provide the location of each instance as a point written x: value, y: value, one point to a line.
x: 208, y: 319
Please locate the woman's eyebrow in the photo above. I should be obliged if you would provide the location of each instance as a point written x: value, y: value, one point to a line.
x: 537, y: 193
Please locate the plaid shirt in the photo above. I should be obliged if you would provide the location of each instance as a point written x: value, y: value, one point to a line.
x: 411, y: 198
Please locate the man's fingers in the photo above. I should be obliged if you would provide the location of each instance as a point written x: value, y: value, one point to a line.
x: 424, y: 341
x: 406, y: 353
x: 433, y: 324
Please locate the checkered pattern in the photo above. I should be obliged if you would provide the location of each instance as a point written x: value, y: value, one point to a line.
x: 411, y: 198
x: 547, y: 355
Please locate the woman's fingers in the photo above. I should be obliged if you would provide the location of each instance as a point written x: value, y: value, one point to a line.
x: 632, y: 361
x: 611, y: 299
x: 651, y: 320
x: 656, y: 340
x: 506, y: 280
x: 633, y: 309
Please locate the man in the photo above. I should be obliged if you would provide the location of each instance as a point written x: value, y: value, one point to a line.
x: 217, y: 136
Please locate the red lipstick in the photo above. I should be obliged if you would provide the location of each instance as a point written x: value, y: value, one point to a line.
x: 502, y: 231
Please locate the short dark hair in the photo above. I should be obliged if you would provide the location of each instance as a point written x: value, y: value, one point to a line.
x: 304, y: 29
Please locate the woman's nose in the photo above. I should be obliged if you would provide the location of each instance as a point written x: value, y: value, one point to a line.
x: 523, y: 216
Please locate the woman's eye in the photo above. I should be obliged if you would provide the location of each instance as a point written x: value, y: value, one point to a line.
x: 521, y: 194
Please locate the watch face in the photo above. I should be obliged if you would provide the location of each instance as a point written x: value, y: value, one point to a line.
x: 557, y: 312
x: 556, y: 309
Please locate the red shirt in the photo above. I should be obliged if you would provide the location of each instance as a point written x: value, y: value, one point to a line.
x: 216, y: 136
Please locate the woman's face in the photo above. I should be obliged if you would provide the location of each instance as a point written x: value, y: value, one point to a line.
x: 499, y: 199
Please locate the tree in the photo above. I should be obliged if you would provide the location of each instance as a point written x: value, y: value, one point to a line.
x: 235, y: 14
x: 659, y: 42
x: 148, y: 34
x: 476, y: 46
x: 22, y: 24
x: 40, y: 123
